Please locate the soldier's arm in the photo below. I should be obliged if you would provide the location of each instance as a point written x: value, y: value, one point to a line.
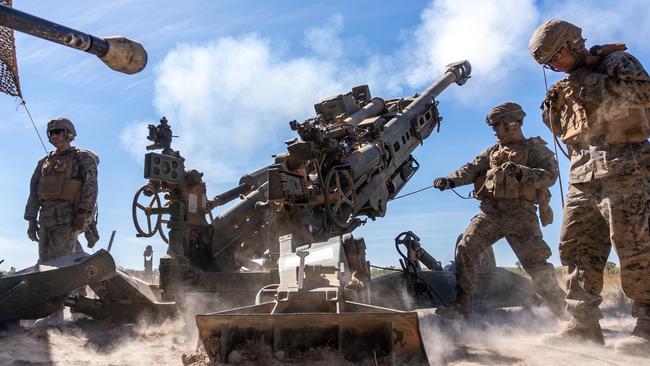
x: 542, y: 170
x: 33, y: 202
x: 626, y: 84
x: 551, y: 106
x: 470, y: 171
x: 89, y: 187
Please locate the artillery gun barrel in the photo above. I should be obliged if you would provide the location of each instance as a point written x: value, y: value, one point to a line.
x: 27, y: 23
x: 457, y: 72
x: 118, y: 53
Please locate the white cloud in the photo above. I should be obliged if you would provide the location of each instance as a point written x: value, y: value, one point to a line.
x: 324, y: 40
x: 230, y: 100
x: 492, y: 35
x: 131, y: 139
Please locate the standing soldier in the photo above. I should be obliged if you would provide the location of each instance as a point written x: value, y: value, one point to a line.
x: 62, y: 194
x: 600, y: 111
x: 509, y: 178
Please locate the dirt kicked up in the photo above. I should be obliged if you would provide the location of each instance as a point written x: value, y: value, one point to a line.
x: 508, y: 337
x: 503, y: 337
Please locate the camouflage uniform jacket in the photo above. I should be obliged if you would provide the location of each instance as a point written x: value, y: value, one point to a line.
x: 537, y: 163
x: 84, y: 170
x: 601, y: 112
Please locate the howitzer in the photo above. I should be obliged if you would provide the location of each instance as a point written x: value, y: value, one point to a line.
x: 350, y: 160
x: 119, y: 53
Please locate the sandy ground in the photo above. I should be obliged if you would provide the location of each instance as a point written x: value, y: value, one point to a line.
x: 509, y: 337
x: 503, y: 337
x: 513, y: 338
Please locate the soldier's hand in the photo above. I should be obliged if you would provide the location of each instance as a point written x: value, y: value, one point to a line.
x: 32, y: 230
x: 79, y: 223
x: 512, y: 169
x: 443, y: 183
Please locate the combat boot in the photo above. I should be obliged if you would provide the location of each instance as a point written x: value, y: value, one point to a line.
x: 577, y: 330
x: 638, y: 344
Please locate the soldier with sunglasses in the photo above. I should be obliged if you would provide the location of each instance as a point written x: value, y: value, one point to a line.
x: 63, y: 193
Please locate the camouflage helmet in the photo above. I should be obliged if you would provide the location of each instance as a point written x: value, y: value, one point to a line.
x: 551, y: 36
x: 505, y: 112
x: 62, y: 123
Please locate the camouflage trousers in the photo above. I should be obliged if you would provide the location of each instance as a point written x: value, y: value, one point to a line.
x: 517, y: 221
x: 56, y: 241
x: 597, y: 215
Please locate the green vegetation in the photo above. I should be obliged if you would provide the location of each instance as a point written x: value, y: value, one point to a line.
x: 11, y: 271
x: 378, y: 272
x: 611, y: 268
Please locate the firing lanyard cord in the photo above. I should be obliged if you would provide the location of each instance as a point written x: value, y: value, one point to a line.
x: 428, y: 187
x: 555, y: 142
x: 24, y: 104
x: 469, y: 196
x: 414, y: 192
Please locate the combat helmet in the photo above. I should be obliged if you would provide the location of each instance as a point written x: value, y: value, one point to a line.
x: 505, y: 112
x: 551, y: 36
x: 62, y: 123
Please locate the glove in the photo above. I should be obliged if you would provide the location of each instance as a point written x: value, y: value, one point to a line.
x: 443, y: 183
x: 512, y: 169
x: 32, y: 230
x: 79, y: 223
x: 593, y: 88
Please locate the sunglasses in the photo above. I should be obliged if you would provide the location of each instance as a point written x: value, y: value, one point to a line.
x: 57, y: 131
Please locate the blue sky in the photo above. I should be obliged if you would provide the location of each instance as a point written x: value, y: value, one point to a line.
x: 230, y: 75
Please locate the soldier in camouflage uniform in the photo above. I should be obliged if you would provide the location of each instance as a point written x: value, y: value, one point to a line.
x: 509, y: 178
x: 63, y: 194
x: 600, y: 110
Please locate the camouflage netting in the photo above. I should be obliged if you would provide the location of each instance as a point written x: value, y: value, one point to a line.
x: 9, y: 83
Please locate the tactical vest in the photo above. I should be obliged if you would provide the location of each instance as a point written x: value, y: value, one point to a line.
x: 564, y: 112
x: 56, y: 181
x: 577, y: 122
x: 496, y: 184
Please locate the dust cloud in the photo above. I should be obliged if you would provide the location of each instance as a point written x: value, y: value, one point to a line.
x: 85, y: 341
x: 513, y: 337
x: 500, y: 337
